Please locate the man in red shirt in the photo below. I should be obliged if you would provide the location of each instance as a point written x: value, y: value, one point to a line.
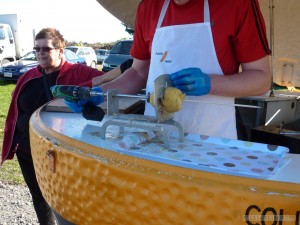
x: 233, y: 23
x: 201, y: 44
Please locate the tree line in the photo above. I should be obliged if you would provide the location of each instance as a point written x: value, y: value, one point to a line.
x: 99, y: 44
x: 93, y: 45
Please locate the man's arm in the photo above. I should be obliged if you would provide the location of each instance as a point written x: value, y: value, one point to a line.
x: 107, y: 77
x: 132, y: 80
x: 254, y: 79
x: 113, y: 74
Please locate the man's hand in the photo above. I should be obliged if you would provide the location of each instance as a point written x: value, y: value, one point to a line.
x: 191, y: 81
x: 77, y: 106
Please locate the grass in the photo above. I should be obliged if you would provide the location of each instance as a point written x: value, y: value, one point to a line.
x: 10, y: 171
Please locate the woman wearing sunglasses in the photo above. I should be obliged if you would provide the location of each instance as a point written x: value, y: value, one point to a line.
x: 32, y: 91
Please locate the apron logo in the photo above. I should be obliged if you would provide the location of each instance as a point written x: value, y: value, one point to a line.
x: 164, y: 56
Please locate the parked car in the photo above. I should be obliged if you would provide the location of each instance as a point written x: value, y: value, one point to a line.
x: 73, y: 58
x: 15, y: 69
x: 119, y: 53
x: 87, y: 52
x: 101, y: 54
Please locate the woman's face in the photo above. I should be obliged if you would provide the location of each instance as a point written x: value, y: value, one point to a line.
x: 47, y: 55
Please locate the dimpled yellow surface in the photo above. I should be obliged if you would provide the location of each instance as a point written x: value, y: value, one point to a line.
x: 89, y: 185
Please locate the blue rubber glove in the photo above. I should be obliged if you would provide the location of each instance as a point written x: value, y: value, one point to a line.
x: 191, y: 81
x: 77, y: 107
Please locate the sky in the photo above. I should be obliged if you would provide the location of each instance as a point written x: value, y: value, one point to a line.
x: 77, y: 20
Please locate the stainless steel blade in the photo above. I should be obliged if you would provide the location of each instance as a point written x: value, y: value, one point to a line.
x: 160, y: 84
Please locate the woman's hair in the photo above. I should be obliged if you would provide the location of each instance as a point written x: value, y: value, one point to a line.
x: 58, y: 40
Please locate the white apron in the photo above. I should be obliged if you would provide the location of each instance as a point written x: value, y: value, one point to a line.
x: 191, y: 45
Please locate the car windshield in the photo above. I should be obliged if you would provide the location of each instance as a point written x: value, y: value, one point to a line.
x: 100, y: 52
x: 122, y: 48
x: 2, y: 34
x: 29, y: 56
x: 72, y: 49
x: 70, y: 55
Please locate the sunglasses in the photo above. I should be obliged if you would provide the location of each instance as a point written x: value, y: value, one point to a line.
x: 44, y: 49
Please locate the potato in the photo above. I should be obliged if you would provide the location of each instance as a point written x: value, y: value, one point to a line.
x: 151, y: 99
x: 172, y: 99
